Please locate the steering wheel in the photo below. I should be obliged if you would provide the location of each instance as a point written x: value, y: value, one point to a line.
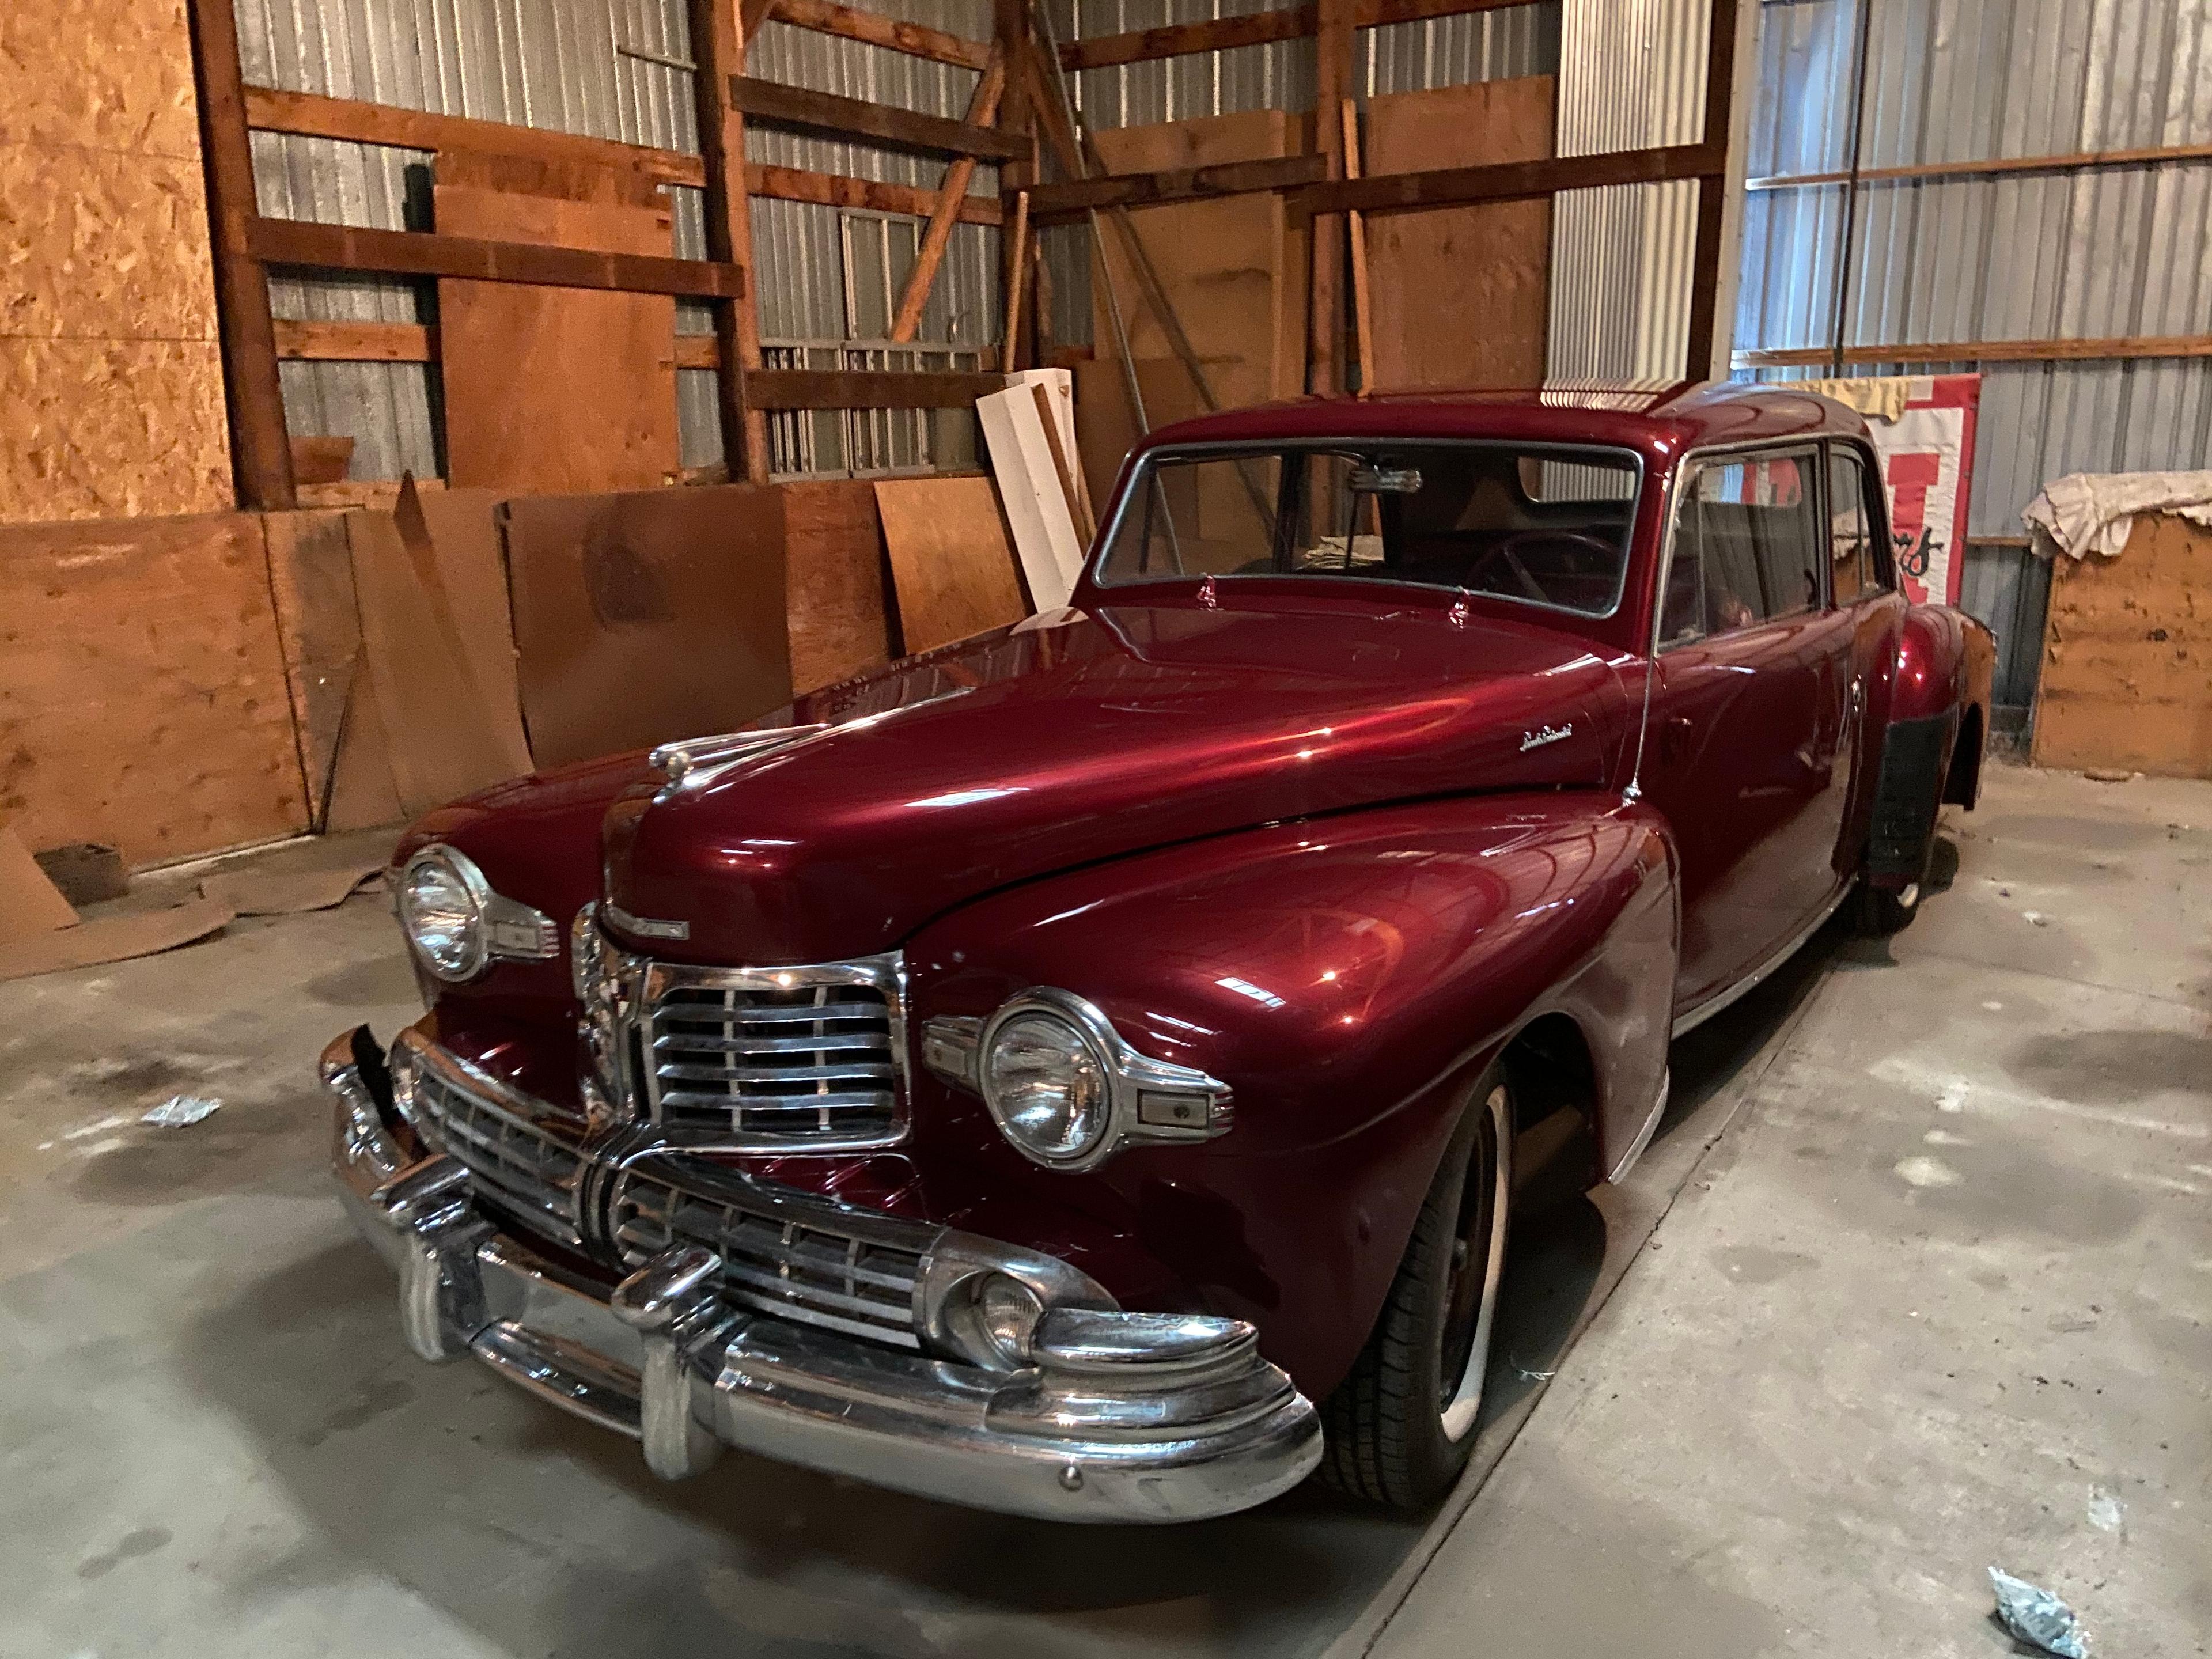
x: 1507, y: 552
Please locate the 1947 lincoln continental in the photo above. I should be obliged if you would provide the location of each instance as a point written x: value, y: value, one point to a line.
x: 1086, y: 1071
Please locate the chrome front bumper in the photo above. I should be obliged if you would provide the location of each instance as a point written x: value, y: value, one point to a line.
x: 1121, y: 1417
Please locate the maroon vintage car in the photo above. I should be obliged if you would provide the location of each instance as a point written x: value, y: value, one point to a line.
x: 1086, y: 1071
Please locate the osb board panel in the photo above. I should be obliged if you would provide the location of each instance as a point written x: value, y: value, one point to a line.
x: 1235, y: 275
x: 644, y: 617
x: 551, y: 390
x: 951, y: 564
x: 1461, y: 296
x: 111, y: 428
x: 834, y: 554
x: 142, y: 697
x: 2127, y: 656
x: 311, y: 576
x: 98, y: 74
x: 103, y: 245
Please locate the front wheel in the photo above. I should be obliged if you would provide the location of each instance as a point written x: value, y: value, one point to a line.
x: 1402, y: 1425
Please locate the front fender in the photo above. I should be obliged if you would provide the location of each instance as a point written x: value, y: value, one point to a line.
x: 1348, y: 978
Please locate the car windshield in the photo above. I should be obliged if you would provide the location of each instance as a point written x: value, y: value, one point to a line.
x: 1541, y: 525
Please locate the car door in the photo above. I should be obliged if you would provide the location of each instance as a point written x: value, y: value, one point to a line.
x: 1747, y: 749
x: 1863, y: 587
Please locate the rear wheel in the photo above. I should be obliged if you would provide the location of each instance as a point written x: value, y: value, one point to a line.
x: 1402, y: 1425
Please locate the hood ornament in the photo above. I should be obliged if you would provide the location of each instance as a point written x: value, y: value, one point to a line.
x: 696, y: 761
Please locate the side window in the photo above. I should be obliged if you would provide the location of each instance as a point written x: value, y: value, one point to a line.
x: 1852, y: 569
x: 1746, y: 545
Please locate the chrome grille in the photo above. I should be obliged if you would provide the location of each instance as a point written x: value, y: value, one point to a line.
x: 511, y: 1159
x: 796, y: 1261
x: 807, y: 1059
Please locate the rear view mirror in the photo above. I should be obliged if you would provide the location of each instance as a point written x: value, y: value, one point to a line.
x: 1386, y: 480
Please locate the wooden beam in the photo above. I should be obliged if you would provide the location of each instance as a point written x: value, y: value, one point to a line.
x: 751, y: 14
x: 1053, y: 203
x: 850, y: 118
x: 718, y: 47
x: 357, y: 342
x: 875, y: 30
x: 1015, y: 266
x: 1362, y: 314
x: 817, y: 388
x: 417, y: 343
x: 983, y: 112
x: 1010, y: 38
x: 1333, y: 27
x: 1987, y: 351
x: 839, y: 190
x: 1706, y: 283
x: 2080, y: 162
x: 1255, y: 29
x: 316, y: 117
x: 1509, y: 181
x: 418, y: 254
x: 260, y: 450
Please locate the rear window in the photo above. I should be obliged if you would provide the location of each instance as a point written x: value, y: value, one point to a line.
x: 1538, y: 526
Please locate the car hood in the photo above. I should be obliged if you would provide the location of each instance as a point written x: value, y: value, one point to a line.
x: 1074, y: 738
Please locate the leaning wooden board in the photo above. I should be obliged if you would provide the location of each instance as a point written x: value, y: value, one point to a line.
x: 840, y: 621
x: 952, y: 563
x: 143, y: 698
x: 2127, y: 656
x: 1461, y: 296
x: 554, y: 390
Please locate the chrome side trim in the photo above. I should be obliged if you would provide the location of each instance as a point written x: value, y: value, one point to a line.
x: 1751, y: 981
x: 644, y: 927
x: 1627, y: 1161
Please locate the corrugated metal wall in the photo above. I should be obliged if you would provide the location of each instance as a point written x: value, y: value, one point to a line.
x: 2110, y: 253
x: 1442, y: 51
x: 827, y: 277
x: 1631, y: 76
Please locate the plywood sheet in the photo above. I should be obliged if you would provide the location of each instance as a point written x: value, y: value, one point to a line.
x: 2127, y: 656
x: 143, y: 697
x: 951, y: 563
x: 1461, y: 296
x: 1234, y: 274
x: 311, y: 577
x: 440, y: 738
x: 458, y: 531
x: 553, y: 390
x: 30, y: 904
x: 833, y: 543
x: 1105, y: 423
x: 644, y: 617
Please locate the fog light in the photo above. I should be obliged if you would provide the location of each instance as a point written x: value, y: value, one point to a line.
x: 996, y: 1321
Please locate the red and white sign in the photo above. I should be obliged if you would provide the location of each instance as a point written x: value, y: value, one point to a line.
x: 1928, y: 466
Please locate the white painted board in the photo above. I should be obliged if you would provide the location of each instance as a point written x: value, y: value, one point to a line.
x: 1037, y: 509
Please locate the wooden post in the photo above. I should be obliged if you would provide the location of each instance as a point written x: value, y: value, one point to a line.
x: 1016, y: 114
x: 718, y: 47
x: 1363, y: 312
x: 1332, y: 46
x: 261, y: 450
x: 1712, y: 192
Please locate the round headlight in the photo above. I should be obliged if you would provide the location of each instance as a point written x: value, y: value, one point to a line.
x: 442, y: 899
x: 1046, y: 1083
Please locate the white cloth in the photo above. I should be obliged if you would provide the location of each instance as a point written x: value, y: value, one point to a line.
x: 2086, y: 513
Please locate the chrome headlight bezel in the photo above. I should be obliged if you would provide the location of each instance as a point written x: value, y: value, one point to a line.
x: 475, y: 954
x: 501, y: 929
x: 1149, y: 1102
x: 1088, y: 1039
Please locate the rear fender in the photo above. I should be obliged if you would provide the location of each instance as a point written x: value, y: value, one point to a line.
x: 1932, y: 748
x: 1348, y: 978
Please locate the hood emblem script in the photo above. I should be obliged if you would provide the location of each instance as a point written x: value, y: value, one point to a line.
x: 1543, y: 735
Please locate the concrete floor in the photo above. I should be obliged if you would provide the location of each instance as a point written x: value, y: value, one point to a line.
x: 1927, y: 1291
